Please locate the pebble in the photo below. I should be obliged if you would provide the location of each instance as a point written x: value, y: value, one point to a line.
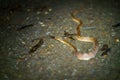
x: 79, y: 50
x: 40, y: 22
x: 27, y: 18
x: 23, y: 42
x: 100, y: 42
x: 117, y: 40
x: 50, y: 9
x: 28, y: 65
x: 43, y: 45
x: 59, y: 71
x: 91, y: 21
x: 43, y: 25
x: 47, y: 33
x: 89, y: 49
x: 46, y: 12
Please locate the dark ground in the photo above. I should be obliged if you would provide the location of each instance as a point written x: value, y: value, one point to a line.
x: 52, y: 60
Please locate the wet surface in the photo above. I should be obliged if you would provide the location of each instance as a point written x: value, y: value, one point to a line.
x: 35, y: 20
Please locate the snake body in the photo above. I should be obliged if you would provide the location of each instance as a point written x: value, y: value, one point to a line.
x: 81, y: 56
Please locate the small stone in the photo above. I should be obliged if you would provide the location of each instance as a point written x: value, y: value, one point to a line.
x: 100, y: 42
x: 30, y: 47
x: 43, y: 25
x: 23, y: 42
x: 91, y: 21
x: 26, y: 59
x: 46, y: 12
x: 89, y: 49
x: 28, y: 65
x: 50, y: 9
x: 78, y: 49
x: 43, y: 45
x: 47, y: 33
x: 117, y: 40
x: 40, y: 22
x: 52, y: 45
x: 27, y: 18
x: 48, y: 52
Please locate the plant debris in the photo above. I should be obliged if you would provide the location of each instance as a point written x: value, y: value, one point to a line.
x: 25, y: 26
x: 106, y: 50
x: 35, y: 47
x: 104, y: 47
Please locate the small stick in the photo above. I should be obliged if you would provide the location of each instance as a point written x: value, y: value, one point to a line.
x: 25, y: 26
x: 35, y: 47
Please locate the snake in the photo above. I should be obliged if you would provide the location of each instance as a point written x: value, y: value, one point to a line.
x: 81, y: 56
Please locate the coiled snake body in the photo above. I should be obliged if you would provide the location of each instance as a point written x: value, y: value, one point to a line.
x: 81, y: 56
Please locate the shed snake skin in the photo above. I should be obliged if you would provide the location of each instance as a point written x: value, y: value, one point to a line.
x: 80, y: 56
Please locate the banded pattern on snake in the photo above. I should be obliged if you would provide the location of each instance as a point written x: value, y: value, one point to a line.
x: 80, y: 56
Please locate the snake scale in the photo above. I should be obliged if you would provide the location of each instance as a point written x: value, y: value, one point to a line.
x: 80, y: 56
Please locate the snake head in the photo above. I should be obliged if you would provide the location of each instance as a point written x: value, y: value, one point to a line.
x: 85, y: 56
